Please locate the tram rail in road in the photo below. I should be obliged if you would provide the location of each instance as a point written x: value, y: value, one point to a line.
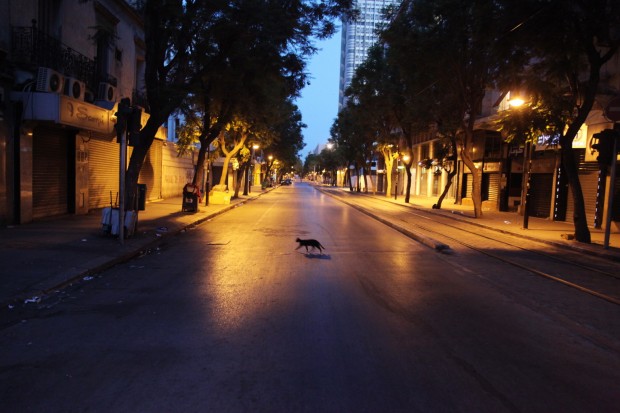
x: 591, y: 275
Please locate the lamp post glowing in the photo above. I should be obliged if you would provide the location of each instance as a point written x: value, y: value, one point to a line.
x: 517, y: 102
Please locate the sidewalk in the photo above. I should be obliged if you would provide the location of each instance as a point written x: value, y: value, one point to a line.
x: 539, y: 229
x: 41, y: 256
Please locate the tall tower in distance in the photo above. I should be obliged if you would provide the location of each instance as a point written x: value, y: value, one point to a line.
x: 357, y: 37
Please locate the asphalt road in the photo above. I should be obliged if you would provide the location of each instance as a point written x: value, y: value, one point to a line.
x: 229, y: 317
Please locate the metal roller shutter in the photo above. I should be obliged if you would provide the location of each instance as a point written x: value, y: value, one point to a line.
x: 589, y: 187
x: 493, y: 181
x: 540, y: 195
x: 103, y: 167
x: 50, y: 175
x: 469, y: 186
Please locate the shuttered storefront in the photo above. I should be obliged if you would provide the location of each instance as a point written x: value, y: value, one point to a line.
x: 541, y: 189
x: 491, y: 182
x: 468, y: 185
x: 104, y: 169
x: 589, y: 187
x: 50, y: 174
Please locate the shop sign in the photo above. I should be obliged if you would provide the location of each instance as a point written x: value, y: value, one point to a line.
x: 85, y: 116
x: 491, y: 167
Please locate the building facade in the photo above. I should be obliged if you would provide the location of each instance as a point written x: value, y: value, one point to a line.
x: 357, y: 37
x: 65, y: 64
x: 504, y: 164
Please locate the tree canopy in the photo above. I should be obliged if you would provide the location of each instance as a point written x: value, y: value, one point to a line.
x: 218, y: 51
x: 438, y: 60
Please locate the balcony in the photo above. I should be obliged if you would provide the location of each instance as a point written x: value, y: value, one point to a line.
x: 31, y: 48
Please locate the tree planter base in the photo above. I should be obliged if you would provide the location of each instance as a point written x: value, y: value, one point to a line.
x: 219, y: 197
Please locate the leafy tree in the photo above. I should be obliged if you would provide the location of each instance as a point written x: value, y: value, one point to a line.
x: 286, y: 138
x: 450, y: 46
x: 331, y: 160
x: 371, y: 109
x: 312, y: 163
x: 558, y: 52
x: 390, y: 154
x: 190, y: 45
x: 447, y: 158
x: 349, y: 132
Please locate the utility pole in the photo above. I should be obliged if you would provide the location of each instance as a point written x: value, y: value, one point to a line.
x: 525, y: 189
x: 122, y: 116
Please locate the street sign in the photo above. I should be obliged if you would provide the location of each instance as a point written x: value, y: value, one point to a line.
x: 612, y: 111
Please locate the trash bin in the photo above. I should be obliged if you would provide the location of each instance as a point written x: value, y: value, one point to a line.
x: 191, y: 196
x: 141, y: 197
x: 190, y: 202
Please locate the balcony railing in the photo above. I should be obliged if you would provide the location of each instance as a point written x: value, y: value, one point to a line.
x: 33, y: 48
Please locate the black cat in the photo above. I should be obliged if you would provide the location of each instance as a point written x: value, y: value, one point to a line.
x: 314, y: 244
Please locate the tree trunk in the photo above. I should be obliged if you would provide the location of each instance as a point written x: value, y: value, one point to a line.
x: 476, y: 176
x: 408, y: 188
x: 147, y: 135
x: 446, y: 188
x: 246, y: 177
x: 582, y: 233
x: 240, y: 175
x: 350, y: 177
x: 205, y: 143
x: 199, y: 168
x: 389, y: 164
x: 224, y: 177
x: 229, y: 155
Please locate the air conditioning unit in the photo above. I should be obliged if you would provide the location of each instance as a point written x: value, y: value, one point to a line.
x: 49, y: 80
x: 75, y: 88
x: 107, y: 92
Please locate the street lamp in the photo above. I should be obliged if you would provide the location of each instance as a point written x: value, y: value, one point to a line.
x: 525, y: 187
x: 517, y: 101
x: 406, y: 161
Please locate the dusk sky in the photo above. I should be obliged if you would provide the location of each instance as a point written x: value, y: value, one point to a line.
x: 319, y: 101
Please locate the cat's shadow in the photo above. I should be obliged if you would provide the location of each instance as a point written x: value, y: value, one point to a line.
x: 317, y: 256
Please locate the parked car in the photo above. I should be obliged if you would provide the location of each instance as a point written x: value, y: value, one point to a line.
x: 286, y: 181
